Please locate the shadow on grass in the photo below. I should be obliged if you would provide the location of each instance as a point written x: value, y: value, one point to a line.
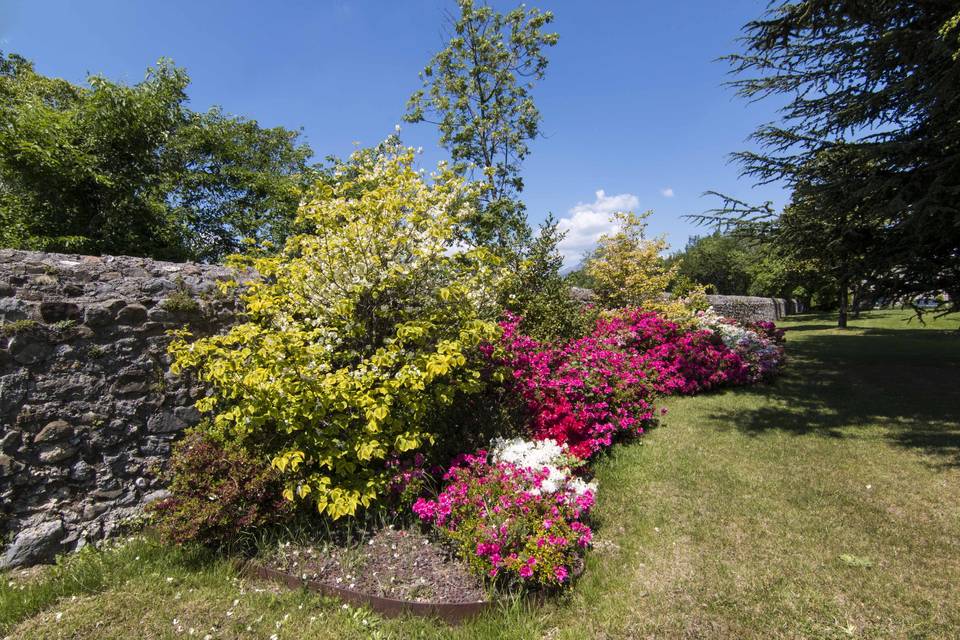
x: 898, y: 384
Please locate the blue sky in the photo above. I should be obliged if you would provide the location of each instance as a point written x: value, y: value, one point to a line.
x: 634, y: 111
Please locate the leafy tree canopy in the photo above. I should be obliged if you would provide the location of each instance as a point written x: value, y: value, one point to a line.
x: 626, y: 268
x: 868, y: 140
x: 737, y: 264
x: 478, y: 92
x: 117, y: 169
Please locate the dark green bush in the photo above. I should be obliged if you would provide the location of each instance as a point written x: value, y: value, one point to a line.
x: 218, y: 493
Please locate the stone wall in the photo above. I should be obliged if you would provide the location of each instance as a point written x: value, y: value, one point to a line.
x: 741, y: 308
x: 752, y: 309
x: 88, y: 409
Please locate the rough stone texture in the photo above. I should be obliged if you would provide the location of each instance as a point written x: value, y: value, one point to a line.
x: 87, y: 412
x: 753, y: 309
x: 582, y: 295
x: 741, y: 308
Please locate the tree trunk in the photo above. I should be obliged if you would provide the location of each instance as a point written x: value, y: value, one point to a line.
x: 842, y: 318
x: 857, y: 300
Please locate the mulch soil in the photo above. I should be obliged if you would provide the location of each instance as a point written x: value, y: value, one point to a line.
x: 402, y: 564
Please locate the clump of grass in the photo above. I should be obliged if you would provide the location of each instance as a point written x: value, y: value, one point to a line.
x: 16, y: 327
x: 180, y: 301
x: 90, y: 571
x: 64, y: 325
x: 96, y: 351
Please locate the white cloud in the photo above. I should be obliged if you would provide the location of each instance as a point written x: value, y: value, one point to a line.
x: 587, y: 221
x: 667, y: 193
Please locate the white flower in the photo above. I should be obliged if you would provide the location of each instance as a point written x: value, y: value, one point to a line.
x: 579, y: 487
x: 524, y: 453
x: 540, y: 455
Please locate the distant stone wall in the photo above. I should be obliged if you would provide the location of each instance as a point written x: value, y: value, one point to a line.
x: 741, y: 308
x: 753, y: 309
x: 88, y: 409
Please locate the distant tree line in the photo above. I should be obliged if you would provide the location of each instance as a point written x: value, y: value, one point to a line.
x: 130, y: 170
x: 729, y: 264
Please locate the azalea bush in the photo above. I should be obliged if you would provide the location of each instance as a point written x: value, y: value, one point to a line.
x: 218, y: 493
x: 587, y: 392
x: 359, y: 338
x: 759, y: 344
x: 581, y: 394
x: 517, y: 513
x: 678, y: 359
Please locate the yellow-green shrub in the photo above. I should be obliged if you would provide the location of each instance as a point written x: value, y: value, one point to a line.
x: 626, y: 267
x: 627, y: 270
x: 359, y: 337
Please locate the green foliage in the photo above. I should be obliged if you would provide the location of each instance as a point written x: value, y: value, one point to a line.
x: 63, y: 325
x: 95, y: 351
x: 217, y: 493
x: 580, y: 278
x: 867, y: 141
x: 737, y: 264
x: 721, y: 262
x: 627, y: 268
x: 180, y: 301
x: 478, y: 93
x: 18, y: 326
x: 361, y: 335
x: 234, y: 182
x: 539, y: 294
x: 129, y: 170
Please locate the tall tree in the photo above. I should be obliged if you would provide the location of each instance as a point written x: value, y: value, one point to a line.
x: 868, y: 140
x: 718, y: 260
x: 478, y: 92
x: 111, y: 168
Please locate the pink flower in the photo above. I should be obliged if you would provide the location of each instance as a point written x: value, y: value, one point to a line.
x: 585, y: 394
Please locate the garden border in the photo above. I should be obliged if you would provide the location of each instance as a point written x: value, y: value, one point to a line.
x: 451, y: 612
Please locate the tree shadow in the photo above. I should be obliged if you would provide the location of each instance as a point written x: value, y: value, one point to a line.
x: 902, y: 385
x: 810, y: 327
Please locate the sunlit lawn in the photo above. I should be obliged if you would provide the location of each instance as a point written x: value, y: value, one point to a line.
x: 826, y: 505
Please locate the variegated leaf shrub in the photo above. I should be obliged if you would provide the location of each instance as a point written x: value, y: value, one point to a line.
x: 358, y: 337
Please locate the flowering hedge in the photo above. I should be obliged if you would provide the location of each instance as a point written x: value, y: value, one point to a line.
x: 520, y: 511
x: 759, y: 344
x: 581, y: 394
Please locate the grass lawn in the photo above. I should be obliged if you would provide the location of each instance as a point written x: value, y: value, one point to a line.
x: 825, y: 505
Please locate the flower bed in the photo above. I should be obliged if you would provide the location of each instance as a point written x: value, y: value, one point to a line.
x: 520, y: 512
x: 396, y: 563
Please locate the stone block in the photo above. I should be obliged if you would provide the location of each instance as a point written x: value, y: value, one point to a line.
x: 27, y: 349
x: 50, y: 454
x: 98, y: 316
x: 53, y: 431
x: 58, y: 311
x: 36, y: 541
x: 132, y: 314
